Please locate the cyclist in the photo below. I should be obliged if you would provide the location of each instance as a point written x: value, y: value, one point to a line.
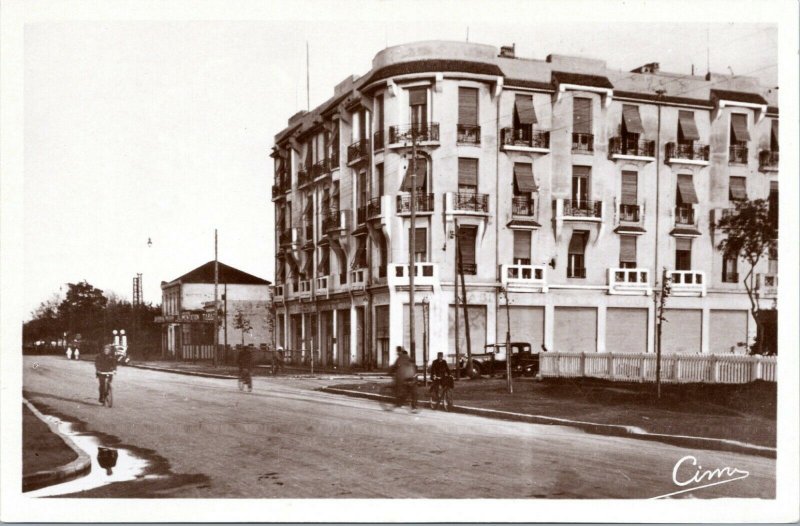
x: 105, y: 363
x: 245, y: 361
x: 439, y: 371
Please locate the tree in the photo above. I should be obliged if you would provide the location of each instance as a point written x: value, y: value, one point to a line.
x: 751, y: 232
x: 83, y: 309
x: 242, y: 322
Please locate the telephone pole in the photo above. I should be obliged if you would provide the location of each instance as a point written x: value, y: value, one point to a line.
x: 216, y: 299
x: 412, y: 268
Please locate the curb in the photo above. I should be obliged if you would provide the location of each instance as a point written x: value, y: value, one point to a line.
x: 77, y: 468
x: 719, y: 444
x: 321, y: 376
x: 181, y: 371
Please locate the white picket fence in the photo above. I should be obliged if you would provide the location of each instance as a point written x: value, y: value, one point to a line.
x: 675, y: 368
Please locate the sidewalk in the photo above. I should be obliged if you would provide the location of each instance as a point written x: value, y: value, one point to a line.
x: 47, y: 457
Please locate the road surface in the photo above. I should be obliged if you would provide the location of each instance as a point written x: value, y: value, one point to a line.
x: 285, y: 440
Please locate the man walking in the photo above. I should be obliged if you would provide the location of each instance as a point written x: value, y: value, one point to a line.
x: 404, y: 379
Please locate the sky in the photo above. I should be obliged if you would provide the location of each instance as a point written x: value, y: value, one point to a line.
x: 161, y: 130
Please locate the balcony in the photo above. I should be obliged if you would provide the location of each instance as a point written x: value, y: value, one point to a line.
x: 304, y: 288
x: 524, y: 140
x: 320, y: 168
x: 358, y: 151
x: 466, y: 203
x: 336, y: 221
x: 767, y: 284
x: 687, y: 153
x: 628, y: 148
x: 523, y: 206
x: 290, y: 237
x: 374, y: 208
x: 523, y: 278
x: 685, y: 216
x: 277, y: 292
x: 377, y: 140
x: 423, y: 203
x: 629, y: 213
x: 425, y: 133
x: 304, y: 176
x: 322, y: 285
x: 468, y: 134
x: 737, y: 154
x: 425, y: 274
x: 630, y: 281
x: 582, y: 143
x: 280, y: 187
x: 580, y: 209
x: 358, y: 279
x: 768, y: 161
x: 687, y: 282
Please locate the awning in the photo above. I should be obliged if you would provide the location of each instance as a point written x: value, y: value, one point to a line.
x: 630, y: 188
x: 322, y: 266
x: 523, y: 178
x: 523, y: 105
x: 467, y: 172
x: 687, y: 126
x: 522, y: 245
x: 739, y: 127
x: 422, y: 171
x: 627, y: 249
x: 775, y: 135
x: 686, y: 189
x: 577, y: 243
x: 581, y: 115
x: 522, y: 224
x: 417, y: 97
x: 738, y: 189
x: 632, y: 119
x: 361, y: 231
x: 468, y: 106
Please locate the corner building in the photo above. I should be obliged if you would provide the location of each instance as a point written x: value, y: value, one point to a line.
x: 569, y: 185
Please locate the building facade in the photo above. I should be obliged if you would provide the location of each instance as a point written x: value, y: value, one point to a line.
x: 568, y: 186
x: 187, y: 305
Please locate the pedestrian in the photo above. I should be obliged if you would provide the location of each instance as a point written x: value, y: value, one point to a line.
x: 69, y: 353
x: 245, y: 362
x: 277, y: 360
x: 405, y: 379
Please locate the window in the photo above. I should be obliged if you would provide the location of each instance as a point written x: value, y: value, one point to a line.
x: 379, y: 176
x: 683, y: 254
x: 421, y: 176
x: 524, y: 186
x: 773, y: 137
x: 627, y: 251
x: 729, y: 270
x: 687, y: 128
x: 575, y: 254
x: 522, y: 247
x: 467, y: 235
x: 773, y: 203
x: 418, y: 107
x: 323, y: 267
x: 420, y: 244
x: 360, y: 260
x: 737, y: 189
x: 379, y: 113
x: 685, y: 199
x: 467, y: 175
x: 772, y: 266
x: 362, y: 124
x: 582, y: 139
x: 629, y: 202
x: 363, y: 197
x: 631, y: 126
x: 580, y: 186
x: 468, y: 106
x: 739, y: 133
x: 524, y: 117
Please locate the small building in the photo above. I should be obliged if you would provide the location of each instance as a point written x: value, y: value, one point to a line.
x: 187, y: 305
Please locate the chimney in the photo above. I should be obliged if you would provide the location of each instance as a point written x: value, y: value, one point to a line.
x: 508, y: 51
x: 651, y: 67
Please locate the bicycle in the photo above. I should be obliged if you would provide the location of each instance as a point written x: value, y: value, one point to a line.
x: 245, y: 379
x: 108, y: 393
x: 441, y: 393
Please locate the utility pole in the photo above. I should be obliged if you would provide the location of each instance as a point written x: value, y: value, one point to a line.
x: 225, y: 316
x: 666, y: 288
x: 509, y: 381
x: 425, y: 339
x: 460, y: 265
x: 455, y: 290
x: 216, y: 296
x: 412, y: 268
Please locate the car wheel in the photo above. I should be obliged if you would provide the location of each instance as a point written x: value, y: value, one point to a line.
x: 476, y: 371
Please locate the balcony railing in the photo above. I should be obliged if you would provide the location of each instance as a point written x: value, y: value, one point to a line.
x: 687, y: 282
x: 322, y: 284
x: 768, y: 159
x: 277, y: 292
x: 684, y: 215
x: 525, y: 138
x: 304, y: 176
x: 524, y: 277
x: 377, y: 140
x: 358, y: 279
x: 422, y: 131
x: 374, y: 207
x: 582, y: 142
x: 424, y: 274
x: 687, y: 152
x: 576, y: 272
x: 631, y: 147
x: 629, y: 213
x: 470, y: 202
x: 628, y: 281
x: 357, y: 151
x: 336, y: 220
x: 522, y: 205
x: 320, y: 168
x: 737, y: 154
x: 424, y: 203
x: 305, y: 287
x: 468, y: 134
x: 581, y: 208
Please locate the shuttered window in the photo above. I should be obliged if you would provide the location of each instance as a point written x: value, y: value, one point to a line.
x: 773, y: 203
x: 467, y: 174
x: 467, y: 236
x: 523, y: 108
x: 686, y: 193
x: 379, y: 112
x: 421, y: 179
x: 737, y: 189
x: 417, y: 97
x: 577, y: 243
x: 627, y: 251
x: 632, y: 119
x: 630, y: 188
x: 687, y: 128
x: 739, y: 131
x: 683, y: 254
x: 468, y: 106
x: 773, y: 143
x: 523, y: 179
x: 522, y: 247
x: 581, y: 115
x: 420, y: 244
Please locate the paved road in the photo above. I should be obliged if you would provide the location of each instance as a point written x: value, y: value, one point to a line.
x: 286, y: 440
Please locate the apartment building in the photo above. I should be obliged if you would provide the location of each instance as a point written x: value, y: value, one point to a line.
x: 568, y: 185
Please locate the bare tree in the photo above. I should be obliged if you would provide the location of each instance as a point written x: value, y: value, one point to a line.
x: 242, y: 322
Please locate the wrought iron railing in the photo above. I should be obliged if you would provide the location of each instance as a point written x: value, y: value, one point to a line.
x: 629, y: 213
x: 423, y: 203
x: 737, y: 154
x: 330, y: 219
x: 358, y: 150
x: 422, y: 131
x: 684, y: 215
x: 688, y: 151
x: 522, y: 205
x: 320, y: 168
x: 470, y: 202
x: 582, y: 208
x: 468, y: 134
x: 374, y: 207
x: 631, y: 146
x: 304, y: 176
x: 469, y: 268
x: 768, y: 159
x: 525, y: 137
x: 582, y: 142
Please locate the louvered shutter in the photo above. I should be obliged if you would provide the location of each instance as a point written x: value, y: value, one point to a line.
x: 633, y: 121
x: 468, y: 106
x: 738, y: 188
x: 739, y: 127
x: 417, y: 97
x: 687, y: 126
x: 582, y: 115
x: 523, y: 178
x: 577, y: 242
x: 686, y: 189
x: 466, y: 236
x: 522, y: 244
x: 523, y: 105
x: 630, y: 188
x: 627, y: 249
x: 468, y: 172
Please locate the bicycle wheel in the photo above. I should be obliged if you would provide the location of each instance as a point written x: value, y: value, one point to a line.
x: 448, y: 399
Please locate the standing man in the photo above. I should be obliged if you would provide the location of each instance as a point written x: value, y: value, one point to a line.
x: 105, y: 362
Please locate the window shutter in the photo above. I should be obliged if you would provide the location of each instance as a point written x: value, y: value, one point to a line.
x: 522, y: 244
x: 739, y: 127
x: 633, y: 121
x: 577, y: 243
x: 683, y: 243
x: 418, y: 97
x: 421, y: 179
x: 468, y: 172
x: 738, y: 189
x: 686, y: 189
x: 581, y: 171
x: 466, y: 240
x: 687, y: 127
x: 468, y: 106
x: 523, y: 105
x: 774, y: 144
x: 581, y: 115
x: 627, y: 249
x: 523, y: 178
x: 630, y: 188
x: 421, y: 239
